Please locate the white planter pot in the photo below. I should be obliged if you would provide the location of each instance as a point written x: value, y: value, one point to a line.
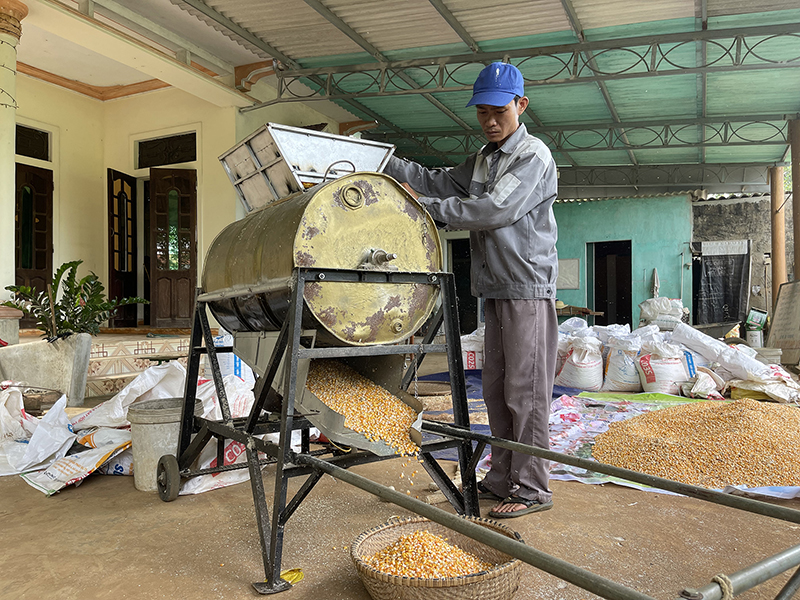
x: 62, y: 365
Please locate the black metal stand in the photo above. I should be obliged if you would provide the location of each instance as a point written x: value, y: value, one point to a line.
x: 292, y: 345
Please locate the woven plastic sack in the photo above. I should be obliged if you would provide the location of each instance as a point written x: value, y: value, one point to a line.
x: 661, y: 368
x: 664, y: 312
x: 583, y: 367
x: 621, y: 374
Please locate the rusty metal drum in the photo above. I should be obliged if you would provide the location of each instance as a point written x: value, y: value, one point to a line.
x: 359, y: 221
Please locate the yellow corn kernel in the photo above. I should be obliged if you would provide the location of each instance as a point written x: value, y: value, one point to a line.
x: 425, y: 555
x: 367, y: 408
x: 709, y: 444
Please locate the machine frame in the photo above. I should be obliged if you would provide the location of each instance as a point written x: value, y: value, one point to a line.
x: 293, y: 343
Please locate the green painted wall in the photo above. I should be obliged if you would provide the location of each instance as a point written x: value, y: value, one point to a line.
x: 659, y: 229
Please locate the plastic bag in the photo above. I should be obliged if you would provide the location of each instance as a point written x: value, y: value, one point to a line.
x: 240, y: 399
x: 621, y: 374
x: 583, y: 367
x: 51, y: 440
x: 733, y: 363
x: 664, y: 312
x: 705, y: 384
x: 104, y: 444
x: 166, y: 380
x: 15, y: 423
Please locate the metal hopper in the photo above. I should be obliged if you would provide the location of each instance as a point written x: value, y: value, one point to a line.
x: 277, y: 160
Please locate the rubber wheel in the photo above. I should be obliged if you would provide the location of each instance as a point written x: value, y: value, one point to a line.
x: 168, y: 478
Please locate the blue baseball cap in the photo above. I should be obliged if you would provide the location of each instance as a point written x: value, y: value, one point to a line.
x: 497, y: 85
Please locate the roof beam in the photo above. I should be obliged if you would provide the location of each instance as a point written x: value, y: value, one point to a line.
x: 240, y: 31
x: 455, y: 25
x: 577, y: 28
x: 596, y: 182
x: 149, y: 26
x: 256, y: 41
x: 648, y: 56
x: 332, y: 18
x: 702, y: 78
x: 740, y: 131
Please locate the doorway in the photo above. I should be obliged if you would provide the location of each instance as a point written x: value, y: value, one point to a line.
x: 33, y: 230
x: 611, y: 282
x: 122, y: 245
x: 460, y: 259
x: 172, y: 267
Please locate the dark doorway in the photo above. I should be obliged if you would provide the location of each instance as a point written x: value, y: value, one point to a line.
x: 33, y: 230
x: 173, y: 251
x: 612, y: 282
x: 460, y: 257
x: 122, y: 249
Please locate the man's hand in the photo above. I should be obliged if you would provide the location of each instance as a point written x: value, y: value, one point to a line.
x: 410, y: 191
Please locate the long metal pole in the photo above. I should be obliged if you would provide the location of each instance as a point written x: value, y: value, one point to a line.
x: 790, y: 588
x: 605, y: 588
x: 748, y: 578
x: 778, y: 231
x: 753, y: 506
x: 794, y: 144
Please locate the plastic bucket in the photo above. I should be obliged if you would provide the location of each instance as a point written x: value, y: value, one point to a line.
x: 155, y: 426
x: 755, y: 337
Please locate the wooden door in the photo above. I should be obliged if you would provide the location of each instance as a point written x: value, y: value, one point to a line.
x: 173, y: 246
x: 122, y: 247
x: 33, y: 235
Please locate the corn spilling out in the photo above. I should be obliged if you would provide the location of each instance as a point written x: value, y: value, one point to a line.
x: 709, y: 444
x: 426, y: 555
x: 367, y: 408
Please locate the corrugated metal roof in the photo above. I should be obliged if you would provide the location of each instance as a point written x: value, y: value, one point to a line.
x: 644, y: 86
x: 609, y: 13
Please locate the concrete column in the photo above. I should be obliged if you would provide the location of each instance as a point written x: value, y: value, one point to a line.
x: 778, y: 231
x: 11, y: 13
x: 794, y: 142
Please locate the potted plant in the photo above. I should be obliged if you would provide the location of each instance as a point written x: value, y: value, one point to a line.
x: 69, y: 311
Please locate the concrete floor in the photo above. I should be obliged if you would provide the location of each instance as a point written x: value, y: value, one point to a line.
x: 104, y: 539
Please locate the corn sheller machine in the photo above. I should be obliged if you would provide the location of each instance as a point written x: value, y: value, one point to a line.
x: 336, y: 260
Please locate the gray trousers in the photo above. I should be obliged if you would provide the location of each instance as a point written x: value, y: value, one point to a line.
x: 521, y: 342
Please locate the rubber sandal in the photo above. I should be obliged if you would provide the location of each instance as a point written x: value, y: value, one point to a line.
x: 531, y: 506
x: 485, y: 493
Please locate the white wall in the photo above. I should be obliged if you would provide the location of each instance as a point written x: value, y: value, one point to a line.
x: 168, y: 112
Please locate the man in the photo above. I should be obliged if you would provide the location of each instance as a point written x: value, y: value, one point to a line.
x: 504, y: 196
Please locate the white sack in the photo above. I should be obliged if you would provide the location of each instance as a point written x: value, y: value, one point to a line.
x: 240, y: 399
x: 621, y: 374
x: 583, y: 368
x: 103, y: 445
x: 15, y: 423
x: 52, y: 440
x: 775, y: 383
x: 737, y: 364
x: 572, y: 325
x: 664, y: 312
x: 661, y: 368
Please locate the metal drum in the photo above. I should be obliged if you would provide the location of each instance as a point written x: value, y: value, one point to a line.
x: 363, y: 221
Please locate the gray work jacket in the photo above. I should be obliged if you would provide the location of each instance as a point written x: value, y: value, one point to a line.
x: 504, y: 197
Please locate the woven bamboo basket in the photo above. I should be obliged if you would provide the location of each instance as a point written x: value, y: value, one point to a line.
x: 498, y: 583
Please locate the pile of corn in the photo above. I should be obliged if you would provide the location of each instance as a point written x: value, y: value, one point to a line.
x: 709, y: 444
x: 367, y: 408
x: 423, y: 554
